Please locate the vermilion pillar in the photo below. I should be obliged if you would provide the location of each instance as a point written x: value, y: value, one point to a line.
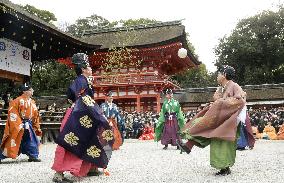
x: 158, y: 99
x: 138, y: 103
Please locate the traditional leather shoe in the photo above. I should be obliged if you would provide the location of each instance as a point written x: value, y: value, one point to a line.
x: 183, y: 147
x: 241, y: 148
x: 94, y: 173
x: 59, y: 178
x: 64, y: 180
x: 225, y: 171
x: 34, y: 160
x: 166, y: 147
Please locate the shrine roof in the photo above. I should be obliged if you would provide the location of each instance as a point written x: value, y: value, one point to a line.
x: 141, y: 36
x: 22, y: 27
x: 138, y: 35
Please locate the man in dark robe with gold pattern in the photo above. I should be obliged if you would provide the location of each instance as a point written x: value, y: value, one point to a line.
x: 85, y: 139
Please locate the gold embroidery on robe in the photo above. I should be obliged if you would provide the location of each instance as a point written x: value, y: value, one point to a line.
x: 88, y: 100
x: 94, y: 152
x: 107, y: 135
x: 86, y: 121
x: 71, y: 139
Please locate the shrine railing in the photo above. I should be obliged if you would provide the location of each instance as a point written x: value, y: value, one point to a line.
x: 129, y: 79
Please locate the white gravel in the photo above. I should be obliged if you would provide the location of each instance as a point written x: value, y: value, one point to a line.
x: 145, y: 161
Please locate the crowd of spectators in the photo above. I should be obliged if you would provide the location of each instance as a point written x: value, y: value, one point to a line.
x: 136, y: 121
x: 260, y: 117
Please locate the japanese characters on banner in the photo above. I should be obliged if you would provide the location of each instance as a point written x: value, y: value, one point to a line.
x: 14, y: 57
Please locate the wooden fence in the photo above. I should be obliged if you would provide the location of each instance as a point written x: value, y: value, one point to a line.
x: 50, y: 124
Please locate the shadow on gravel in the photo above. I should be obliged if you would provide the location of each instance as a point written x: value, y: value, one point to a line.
x: 14, y: 162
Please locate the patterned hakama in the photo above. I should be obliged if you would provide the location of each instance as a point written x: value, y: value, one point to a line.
x: 171, y: 128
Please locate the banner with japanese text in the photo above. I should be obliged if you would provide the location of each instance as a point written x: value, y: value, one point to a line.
x: 14, y: 57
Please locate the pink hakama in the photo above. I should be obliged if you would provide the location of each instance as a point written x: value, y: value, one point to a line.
x: 66, y: 161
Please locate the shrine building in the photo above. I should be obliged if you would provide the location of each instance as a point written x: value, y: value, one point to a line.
x: 155, y: 46
x: 26, y: 39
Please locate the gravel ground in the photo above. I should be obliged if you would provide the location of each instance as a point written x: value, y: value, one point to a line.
x: 145, y: 161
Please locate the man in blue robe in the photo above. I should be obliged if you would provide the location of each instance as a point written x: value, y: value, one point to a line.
x: 115, y: 119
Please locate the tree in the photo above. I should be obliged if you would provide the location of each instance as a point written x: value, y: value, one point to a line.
x: 92, y: 22
x: 190, y: 45
x: 255, y: 48
x: 95, y: 22
x: 45, y: 15
x: 196, y: 78
x: 51, y: 78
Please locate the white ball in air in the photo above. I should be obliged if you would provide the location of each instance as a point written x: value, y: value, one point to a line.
x: 182, y: 53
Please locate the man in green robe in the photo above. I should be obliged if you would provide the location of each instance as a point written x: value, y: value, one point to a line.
x: 171, y: 120
x: 216, y: 125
